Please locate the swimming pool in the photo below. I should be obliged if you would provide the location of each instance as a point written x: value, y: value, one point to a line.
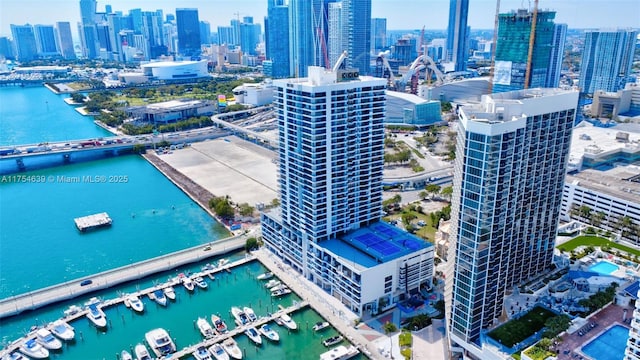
x: 609, y: 345
x: 604, y: 267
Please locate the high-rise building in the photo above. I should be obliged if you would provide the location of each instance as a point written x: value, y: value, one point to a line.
x: 336, y: 39
x: 301, y: 37
x: 205, y: 32
x: 88, y: 10
x: 188, y: 32
x: 6, y: 48
x: 357, y: 13
x: 512, y: 152
x: 25, y: 42
x: 89, y: 39
x: 378, y: 35
x: 276, y: 29
x: 557, y: 55
x: 45, y: 40
x: 606, y: 60
x: 458, y: 34
x: 65, y: 40
x: 226, y: 35
x: 331, y: 159
x: 632, y: 351
x: 512, y: 50
x: 249, y: 36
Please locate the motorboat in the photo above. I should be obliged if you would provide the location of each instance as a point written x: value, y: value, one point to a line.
x: 72, y: 310
x: 239, y: 315
x: 321, y: 325
x: 332, y: 340
x: 125, y: 355
x: 141, y: 352
x: 200, y: 282
x: 188, y: 283
x: 205, y: 328
x: 278, y: 287
x: 251, y: 315
x: 207, y: 267
x: 135, y: 303
x: 46, y: 339
x: 340, y: 353
x: 223, y: 262
x: 97, y: 316
x: 14, y: 356
x: 272, y: 283
x: 218, y: 352
x: 231, y: 347
x: 201, y: 353
x: 288, y: 322
x: 32, y: 349
x: 159, y: 297
x: 265, y: 276
x: 160, y: 342
x: 218, y: 324
x: 269, y: 333
x: 62, y: 330
x: 280, y: 292
x: 169, y: 292
x: 253, y: 335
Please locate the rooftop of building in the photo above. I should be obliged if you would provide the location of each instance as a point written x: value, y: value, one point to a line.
x: 401, y: 97
x: 171, y: 105
x: 319, y: 76
x: 375, y: 244
x: 622, y: 181
x: 593, y: 140
x: 158, y: 64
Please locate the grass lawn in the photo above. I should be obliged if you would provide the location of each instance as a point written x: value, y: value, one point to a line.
x: 517, y: 330
x: 426, y: 232
x: 587, y: 240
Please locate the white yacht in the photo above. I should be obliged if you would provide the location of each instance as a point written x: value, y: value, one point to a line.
x: 169, y: 292
x: 251, y: 315
x: 332, y: 340
x: 141, y: 352
x: 269, y: 333
x: 200, y: 282
x: 231, y: 347
x: 32, y: 349
x: 205, y: 328
x: 188, y: 283
x: 272, y: 283
x: 218, y: 352
x: 159, y: 297
x: 239, y: 315
x: 14, y: 356
x: 253, y: 335
x: 46, y: 339
x: 125, y: 355
x: 201, y: 353
x: 160, y: 342
x: 64, y: 331
x: 340, y: 353
x: 218, y: 324
x: 288, y: 322
x: 135, y: 303
x: 280, y: 292
x: 321, y: 325
x: 265, y: 276
x: 223, y: 262
x: 97, y: 316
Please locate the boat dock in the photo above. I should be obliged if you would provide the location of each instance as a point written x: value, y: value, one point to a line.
x: 93, y: 221
x: 71, y: 289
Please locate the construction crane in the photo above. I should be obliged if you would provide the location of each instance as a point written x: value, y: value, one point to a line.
x: 494, y: 46
x: 532, y: 39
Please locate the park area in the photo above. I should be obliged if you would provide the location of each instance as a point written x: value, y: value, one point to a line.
x: 517, y: 330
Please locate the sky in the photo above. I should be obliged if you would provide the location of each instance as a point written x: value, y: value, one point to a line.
x: 400, y: 14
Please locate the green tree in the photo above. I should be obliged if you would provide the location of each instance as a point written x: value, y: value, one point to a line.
x: 78, y: 97
x: 275, y: 202
x: 246, y: 209
x: 222, y: 207
x: 555, y: 325
x: 389, y: 328
x: 446, y: 106
x: 447, y: 192
x: 423, y: 194
x: 432, y: 189
x: 251, y: 244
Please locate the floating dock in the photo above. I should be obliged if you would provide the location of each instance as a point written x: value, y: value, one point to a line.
x: 93, y: 221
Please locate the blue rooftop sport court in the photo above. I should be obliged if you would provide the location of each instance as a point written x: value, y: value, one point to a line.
x: 609, y: 345
x: 379, y: 242
x: 604, y: 267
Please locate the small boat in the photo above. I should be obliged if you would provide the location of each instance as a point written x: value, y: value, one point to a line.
x: 97, y: 316
x: 280, y: 292
x: 160, y: 342
x: 288, y: 322
x: 135, y: 303
x: 250, y: 314
x: 332, y: 340
x: 14, y: 356
x: 188, y: 283
x: 159, y: 297
x: 239, y: 315
x: 218, y: 324
x: 272, y: 283
x: 340, y: 353
x: 46, y: 339
x: 269, y: 333
x: 31, y: 348
x: 169, y: 292
x: 278, y: 287
x: 207, y: 267
x: 200, y: 282
x: 201, y: 353
x: 63, y: 330
x: 223, y: 262
x: 253, y: 335
x: 205, y: 328
x: 231, y: 347
x: 265, y: 276
x: 72, y: 310
x: 218, y: 352
x: 321, y: 325
x: 125, y: 355
x: 141, y: 352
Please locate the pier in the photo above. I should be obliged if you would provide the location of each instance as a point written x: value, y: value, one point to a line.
x: 71, y: 289
x: 92, y: 221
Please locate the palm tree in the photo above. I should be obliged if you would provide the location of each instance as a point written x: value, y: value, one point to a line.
x: 447, y: 192
x: 597, y: 218
x: 390, y: 328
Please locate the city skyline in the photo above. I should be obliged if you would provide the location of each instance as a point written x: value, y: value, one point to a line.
x: 599, y: 14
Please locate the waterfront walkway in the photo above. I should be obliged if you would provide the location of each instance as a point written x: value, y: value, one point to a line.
x: 35, y: 299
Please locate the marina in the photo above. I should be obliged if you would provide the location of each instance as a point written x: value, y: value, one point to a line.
x: 94, y: 221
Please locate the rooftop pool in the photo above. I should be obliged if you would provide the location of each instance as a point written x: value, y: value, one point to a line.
x: 604, y: 267
x: 609, y: 345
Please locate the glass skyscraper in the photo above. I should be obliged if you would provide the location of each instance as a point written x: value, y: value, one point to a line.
x: 188, y: 32
x: 378, y: 35
x: 276, y: 26
x: 357, y: 14
x: 511, y: 157
x: 25, y: 42
x: 458, y: 34
x: 557, y: 55
x: 606, y: 60
x: 45, y: 40
x: 302, y: 41
x: 65, y: 40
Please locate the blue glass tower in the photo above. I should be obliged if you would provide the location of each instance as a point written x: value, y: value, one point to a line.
x: 188, y: 32
x: 65, y: 40
x: 458, y: 34
x: 357, y: 13
x: 45, y: 40
x: 25, y: 42
x: 301, y: 37
x: 277, y: 38
x: 557, y: 55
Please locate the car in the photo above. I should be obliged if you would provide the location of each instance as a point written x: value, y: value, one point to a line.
x: 86, y: 282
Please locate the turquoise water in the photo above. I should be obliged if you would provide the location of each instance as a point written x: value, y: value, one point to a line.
x: 609, y: 345
x: 34, y: 114
x: 603, y: 267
